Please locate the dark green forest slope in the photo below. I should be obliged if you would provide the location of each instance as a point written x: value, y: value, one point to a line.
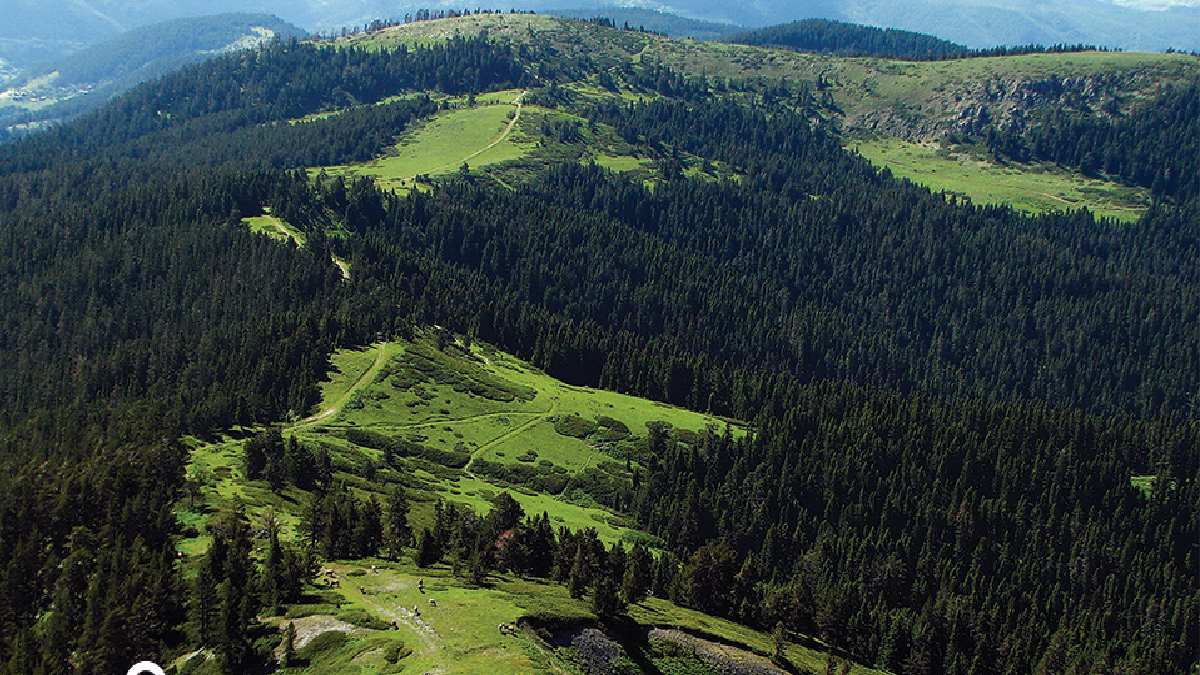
x: 848, y: 39
x: 947, y: 400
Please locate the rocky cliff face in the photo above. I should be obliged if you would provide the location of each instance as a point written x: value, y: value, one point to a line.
x: 967, y: 109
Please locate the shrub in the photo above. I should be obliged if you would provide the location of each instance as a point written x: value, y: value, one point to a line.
x: 327, y: 641
x: 550, y: 479
x: 574, y: 426
x: 363, y: 619
x: 613, y: 427
x: 395, y: 652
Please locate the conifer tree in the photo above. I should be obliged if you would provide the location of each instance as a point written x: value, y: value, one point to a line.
x: 606, y: 602
x: 581, y: 571
x: 428, y: 552
x: 399, y: 533
x: 289, y: 646
x: 635, y: 583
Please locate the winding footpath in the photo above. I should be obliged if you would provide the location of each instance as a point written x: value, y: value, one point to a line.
x: 367, y: 376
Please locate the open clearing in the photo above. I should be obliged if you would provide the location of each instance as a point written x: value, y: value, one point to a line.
x: 478, y: 136
x: 495, y: 423
x: 482, y: 410
x: 1035, y: 189
x: 281, y: 231
x: 275, y: 228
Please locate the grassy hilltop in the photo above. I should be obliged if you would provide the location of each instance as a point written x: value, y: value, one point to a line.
x: 911, y: 117
x: 485, y: 419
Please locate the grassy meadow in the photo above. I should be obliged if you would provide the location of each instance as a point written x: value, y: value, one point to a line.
x: 479, y: 136
x: 480, y: 408
x: 1031, y: 188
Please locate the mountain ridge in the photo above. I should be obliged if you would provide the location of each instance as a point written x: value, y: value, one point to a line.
x: 35, y: 30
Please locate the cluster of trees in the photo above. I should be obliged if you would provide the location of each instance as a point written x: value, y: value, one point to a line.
x: 341, y: 525
x: 88, y: 580
x: 650, y: 21
x: 140, y: 308
x: 269, y: 457
x: 507, y: 541
x: 599, y: 279
x: 230, y: 589
x: 1156, y: 146
x: 379, y: 25
x: 850, y: 39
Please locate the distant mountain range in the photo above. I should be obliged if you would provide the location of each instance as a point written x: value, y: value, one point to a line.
x: 39, y: 31
x: 89, y: 76
x: 982, y: 23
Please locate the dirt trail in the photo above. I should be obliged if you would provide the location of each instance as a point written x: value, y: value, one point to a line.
x: 509, y: 434
x: 363, y: 379
x: 508, y: 129
x: 402, y: 615
x: 512, y: 124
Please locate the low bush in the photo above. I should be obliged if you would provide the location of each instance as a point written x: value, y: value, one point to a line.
x: 327, y: 641
x: 552, y: 479
x: 363, y: 619
x: 574, y: 426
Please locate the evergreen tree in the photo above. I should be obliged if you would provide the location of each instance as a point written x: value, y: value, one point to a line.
x: 204, y: 605
x: 399, y: 534
x: 779, y: 643
x: 581, y: 576
x: 289, y: 646
x: 635, y: 583
x: 428, y: 551
x: 542, y: 547
x: 606, y: 602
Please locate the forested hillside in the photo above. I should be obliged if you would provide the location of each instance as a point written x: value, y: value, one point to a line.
x: 942, y: 404
x: 847, y: 39
x: 87, y: 79
x: 1156, y: 146
x: 818, y: 35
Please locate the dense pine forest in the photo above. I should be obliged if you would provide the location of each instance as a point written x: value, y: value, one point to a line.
x: 1155, y: 146
x: 849, y: 39
x: 947, y: 400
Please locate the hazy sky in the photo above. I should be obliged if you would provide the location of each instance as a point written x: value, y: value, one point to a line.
x: 1157, y: 4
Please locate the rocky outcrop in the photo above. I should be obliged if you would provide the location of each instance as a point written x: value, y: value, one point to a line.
x: 968, y: 108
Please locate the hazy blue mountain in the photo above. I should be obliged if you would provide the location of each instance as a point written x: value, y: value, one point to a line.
x: 34, y: 29
x: 980, y: 23
x: 86, y: 78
